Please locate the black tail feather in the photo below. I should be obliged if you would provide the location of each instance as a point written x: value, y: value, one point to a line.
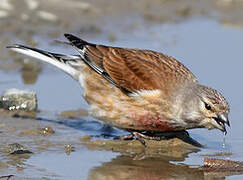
x: 77, y: 42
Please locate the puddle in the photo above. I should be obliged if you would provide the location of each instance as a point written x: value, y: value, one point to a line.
x: 77, y: 165
x: 212, y: 51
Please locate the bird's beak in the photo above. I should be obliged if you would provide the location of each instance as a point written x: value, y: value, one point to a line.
x: 221, y: 120
x: 224, y: 118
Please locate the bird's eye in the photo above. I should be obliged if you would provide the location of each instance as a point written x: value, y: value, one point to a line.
x: 207, y: 106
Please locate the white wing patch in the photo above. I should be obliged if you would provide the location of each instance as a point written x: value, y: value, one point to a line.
x: 82, y: 51
x: 147, y: 93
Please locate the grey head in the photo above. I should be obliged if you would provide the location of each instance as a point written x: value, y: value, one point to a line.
x: 204, y: 107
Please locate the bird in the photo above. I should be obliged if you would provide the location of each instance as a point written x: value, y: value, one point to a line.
x: 141, y: 91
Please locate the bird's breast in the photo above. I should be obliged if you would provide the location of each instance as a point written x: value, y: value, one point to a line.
x: 150, y: 121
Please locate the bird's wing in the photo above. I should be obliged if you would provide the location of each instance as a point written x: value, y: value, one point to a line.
x: 133, y: 69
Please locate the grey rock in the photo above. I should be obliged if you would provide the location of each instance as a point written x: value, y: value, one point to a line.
x: 16, y: 99
x: 15, y: 148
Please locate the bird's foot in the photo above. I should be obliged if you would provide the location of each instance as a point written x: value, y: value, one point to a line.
x: 141, y: 136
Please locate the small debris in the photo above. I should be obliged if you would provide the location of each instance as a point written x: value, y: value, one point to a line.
x: 15, y: 148
x: 16, y: 99
x: 46, y: 131
x: 69, y: 148
x: 43, y: 131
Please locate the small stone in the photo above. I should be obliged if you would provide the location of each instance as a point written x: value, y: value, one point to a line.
x: 69, y: 148
x: 16, y: 148
x: 16, y: 99
x: 46, y: 131
x: 43, y: 131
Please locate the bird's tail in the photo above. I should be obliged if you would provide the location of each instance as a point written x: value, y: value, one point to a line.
x: 67, y: 63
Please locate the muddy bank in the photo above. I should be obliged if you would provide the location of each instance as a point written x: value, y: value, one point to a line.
x: 55, y: 137
x: 26, y: 137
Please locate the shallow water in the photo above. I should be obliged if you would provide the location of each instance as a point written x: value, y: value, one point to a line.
x: 212, y: 51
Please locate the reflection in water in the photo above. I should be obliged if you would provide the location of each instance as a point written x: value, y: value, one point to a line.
x: 29, y: 77
x: 17, y: 160
x: 124, y: 167
x: 30, y: 72
x: 171, y: 150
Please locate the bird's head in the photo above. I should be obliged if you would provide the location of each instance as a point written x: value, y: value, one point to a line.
x: 207, y: 108
x: 214, y: 108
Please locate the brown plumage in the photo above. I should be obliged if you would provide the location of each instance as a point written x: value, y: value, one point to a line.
x: 138, y: 90
x: 135, y: 69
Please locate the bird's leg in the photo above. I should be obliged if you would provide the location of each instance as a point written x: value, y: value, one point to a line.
x: 146, y: 136
x: 140, y: 137
x: 126, y: 137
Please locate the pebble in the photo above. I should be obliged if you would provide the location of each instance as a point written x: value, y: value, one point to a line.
x: 46, y: 131
x: 69, y: 148
x: 17, y: 99
x: 16, y: 148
